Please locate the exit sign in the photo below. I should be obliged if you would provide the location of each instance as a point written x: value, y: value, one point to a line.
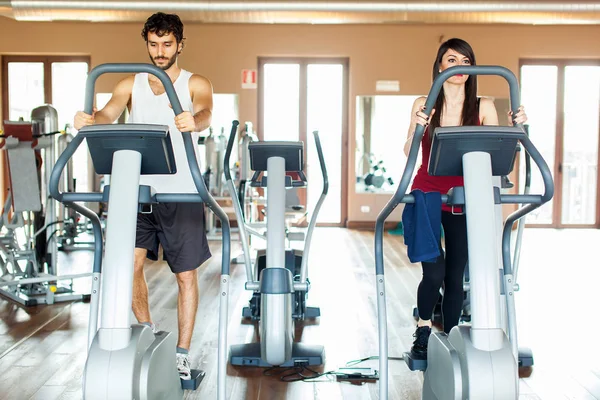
x: 249, y: 78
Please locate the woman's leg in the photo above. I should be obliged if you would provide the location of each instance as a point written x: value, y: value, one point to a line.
x: 427, y: 297
x: 455, y: 233
x: 428, y: 291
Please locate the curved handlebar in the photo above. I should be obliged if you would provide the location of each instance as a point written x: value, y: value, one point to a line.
x: 187, y: 140
x: 436, y: 87
x: 90, y: 86
x: 129, y: 68
x: 400, y: 195
x: 430, y: 102
x: 322, y: 162
x: 59, y: 166
x: 234, y: 127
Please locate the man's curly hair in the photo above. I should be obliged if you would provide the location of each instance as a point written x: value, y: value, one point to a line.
x: 162, y: 24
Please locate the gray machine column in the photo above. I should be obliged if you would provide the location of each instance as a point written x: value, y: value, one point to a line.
x: 276, y: 324
x: 276, y: 206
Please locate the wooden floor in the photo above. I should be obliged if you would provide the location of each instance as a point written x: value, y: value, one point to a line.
x: 42, y: 350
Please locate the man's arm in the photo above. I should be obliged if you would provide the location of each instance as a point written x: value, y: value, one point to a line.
x: 112, y: 110
x: 202, y: 98
x: 117, y: 103
x: 201, y: 92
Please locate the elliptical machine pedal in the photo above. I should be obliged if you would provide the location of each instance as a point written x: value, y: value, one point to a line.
x: 194, y: 382
x: 415, y: 364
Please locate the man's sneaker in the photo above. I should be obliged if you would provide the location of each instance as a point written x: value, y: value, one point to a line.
x: 419, y: 348
x: 183, y: 366
x: 152, y: 326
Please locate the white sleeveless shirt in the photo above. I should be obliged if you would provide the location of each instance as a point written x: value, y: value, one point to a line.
x: 148, y: 108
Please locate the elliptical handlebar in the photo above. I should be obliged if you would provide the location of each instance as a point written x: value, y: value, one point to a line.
x: 315, y: 213
x: 237, y: 206
x: 230, y: 142
x: 400, y: 195
x: 187, y: 139
x: 322, y: 162
x: 133, y: 68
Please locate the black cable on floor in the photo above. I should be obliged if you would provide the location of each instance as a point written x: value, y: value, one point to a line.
x: 297, y: 373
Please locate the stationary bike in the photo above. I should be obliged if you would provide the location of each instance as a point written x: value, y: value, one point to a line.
x: 480, y: 360
x: 279, y: 277
x: 128, y: 361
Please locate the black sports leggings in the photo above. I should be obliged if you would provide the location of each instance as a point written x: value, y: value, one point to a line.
x: 448, y: 271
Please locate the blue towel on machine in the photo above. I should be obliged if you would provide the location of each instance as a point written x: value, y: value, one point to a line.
x: 422, y: 226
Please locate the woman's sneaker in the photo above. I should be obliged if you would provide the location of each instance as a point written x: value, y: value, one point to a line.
x: 419, y: 348
x: 183, y: 366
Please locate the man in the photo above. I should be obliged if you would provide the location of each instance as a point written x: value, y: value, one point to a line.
x: 177, y: 227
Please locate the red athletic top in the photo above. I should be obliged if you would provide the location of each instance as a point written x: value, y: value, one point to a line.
x: 428, y: 183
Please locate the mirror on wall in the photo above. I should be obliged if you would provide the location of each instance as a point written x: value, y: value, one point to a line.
x: 382, y: 123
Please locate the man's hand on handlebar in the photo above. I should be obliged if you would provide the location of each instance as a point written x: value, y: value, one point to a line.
x: 82, y: 119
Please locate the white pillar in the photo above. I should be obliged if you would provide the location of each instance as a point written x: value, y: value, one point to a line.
x: 276, y: 212
x: 486, y: 332
x: 117, y: 283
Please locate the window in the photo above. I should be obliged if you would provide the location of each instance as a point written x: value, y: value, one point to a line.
x: 31, y: 81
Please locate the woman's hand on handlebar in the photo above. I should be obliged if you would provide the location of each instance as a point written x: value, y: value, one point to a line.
x: 422, y: 119
x: 519, y: 118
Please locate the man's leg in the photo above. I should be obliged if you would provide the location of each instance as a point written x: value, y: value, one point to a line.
x: 185, y: 249
x: 187, y: 306
x: 146, y: 246
x: 140, y: 288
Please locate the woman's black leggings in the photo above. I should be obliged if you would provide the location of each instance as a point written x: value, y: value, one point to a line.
x: 448, y: 271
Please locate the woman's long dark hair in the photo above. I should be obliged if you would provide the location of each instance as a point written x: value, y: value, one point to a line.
x: 469, y: 112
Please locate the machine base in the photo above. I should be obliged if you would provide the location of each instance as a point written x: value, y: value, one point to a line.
x: 145, y: 369
x: 249, y: 355
x: 457, y: 370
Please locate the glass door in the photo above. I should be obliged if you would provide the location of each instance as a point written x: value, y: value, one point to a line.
x: 562, y: 100
x: 579, y: 166
x: 296, y: 98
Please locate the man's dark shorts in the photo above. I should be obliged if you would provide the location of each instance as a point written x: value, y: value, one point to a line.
x: 179, y: 228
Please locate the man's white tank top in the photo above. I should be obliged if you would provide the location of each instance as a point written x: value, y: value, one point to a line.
x: 148, y: 108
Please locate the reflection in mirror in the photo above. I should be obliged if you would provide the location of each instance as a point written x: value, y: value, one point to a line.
x: 382, y: 123
x: 381, y: 127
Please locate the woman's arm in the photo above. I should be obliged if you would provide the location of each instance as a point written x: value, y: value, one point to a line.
x: 487, y: 112
x: 414, y: 120
x: 489, y: 116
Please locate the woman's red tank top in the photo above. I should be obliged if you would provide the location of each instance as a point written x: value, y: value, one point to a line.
x: 428, y: 183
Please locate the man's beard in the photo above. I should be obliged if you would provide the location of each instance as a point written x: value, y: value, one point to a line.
x: 167, y: 65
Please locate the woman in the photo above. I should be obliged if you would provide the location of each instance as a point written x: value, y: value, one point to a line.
x: 458, y: 105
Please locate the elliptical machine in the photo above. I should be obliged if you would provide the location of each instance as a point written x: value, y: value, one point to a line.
x: 128, y: 361
x: 480, y: 360
x: 525, y: 354
x: 279, y: 279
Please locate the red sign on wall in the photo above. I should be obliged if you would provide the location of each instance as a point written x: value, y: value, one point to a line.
x: 249, y: 78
